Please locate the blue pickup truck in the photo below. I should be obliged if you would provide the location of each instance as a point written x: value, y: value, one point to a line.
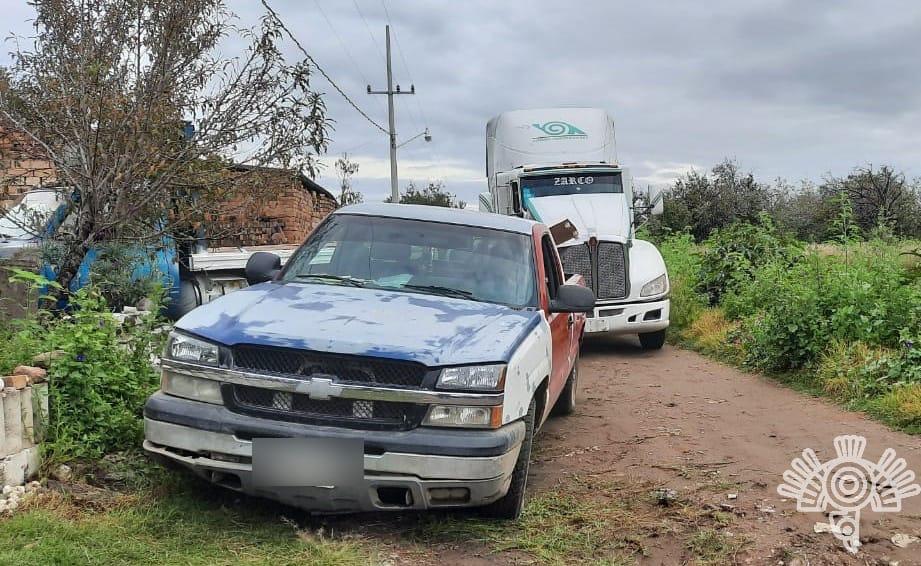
x: 402, y: 359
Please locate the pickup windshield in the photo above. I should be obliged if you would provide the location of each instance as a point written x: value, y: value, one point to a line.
x: 576, y: 183
x: 413, y: 256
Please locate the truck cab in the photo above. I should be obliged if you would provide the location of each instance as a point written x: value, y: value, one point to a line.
x: 560, y: 164
x: 403, y: 358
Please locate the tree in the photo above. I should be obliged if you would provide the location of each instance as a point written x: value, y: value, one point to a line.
x: 345, y: 168
x: 880, y: 198
x: 432, y: 195
x: 705, y: 202
x: 110, y: 91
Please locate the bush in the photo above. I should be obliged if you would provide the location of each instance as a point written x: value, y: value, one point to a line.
x: 98, y: 389
x: 732, y: 255
x: 683, y: 263
x: 859, y: 295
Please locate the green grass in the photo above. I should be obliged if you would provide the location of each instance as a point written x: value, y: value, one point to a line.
x: 177, y: 525
x: 148, y: 516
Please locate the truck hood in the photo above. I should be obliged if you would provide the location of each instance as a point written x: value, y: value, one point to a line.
x: 428, y: 329
x: 602, y: 215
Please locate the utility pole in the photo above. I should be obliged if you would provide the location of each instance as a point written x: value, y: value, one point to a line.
x: 394, y: 183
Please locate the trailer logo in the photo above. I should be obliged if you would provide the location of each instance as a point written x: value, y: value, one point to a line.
x: 558, y: 130
x: 846, y: 484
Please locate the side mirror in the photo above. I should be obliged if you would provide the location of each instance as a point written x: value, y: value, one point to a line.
x: 573, y: 298
x: 262, y: 267
x: 656, y: 201
x: 485, y: 201
x: 516, y: 199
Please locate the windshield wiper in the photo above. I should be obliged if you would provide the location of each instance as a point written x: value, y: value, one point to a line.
x: 353, y: 281
x: 439, y: 290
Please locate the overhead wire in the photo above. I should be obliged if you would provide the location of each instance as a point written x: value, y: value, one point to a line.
x: 396, y: 40
x: 325, y: 75
x: 348, y: 53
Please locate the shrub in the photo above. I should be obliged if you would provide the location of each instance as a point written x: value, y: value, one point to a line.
x: 733, y: 254
x: 683, y: 264
x: 97, y: 390
x: 860, y: 296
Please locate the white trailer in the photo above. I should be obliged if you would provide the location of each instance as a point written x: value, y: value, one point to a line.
x: 556, y: 164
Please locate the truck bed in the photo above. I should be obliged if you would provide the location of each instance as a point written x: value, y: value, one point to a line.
x: 226, y: 258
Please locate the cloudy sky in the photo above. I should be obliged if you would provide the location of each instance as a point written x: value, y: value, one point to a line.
x: 790, y: 89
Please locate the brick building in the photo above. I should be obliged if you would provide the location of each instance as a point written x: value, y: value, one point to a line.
x: 289, y: 207
x: 294, y: 207
x: 23, y: 165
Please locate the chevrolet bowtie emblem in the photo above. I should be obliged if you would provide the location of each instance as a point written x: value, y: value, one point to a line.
x: 321, y: 388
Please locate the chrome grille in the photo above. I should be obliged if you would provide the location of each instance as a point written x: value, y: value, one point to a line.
x: 344, y: 369
x: 577, y: 259
x: 349, y: 412
x: 605, y: 271
x: 612, y: 272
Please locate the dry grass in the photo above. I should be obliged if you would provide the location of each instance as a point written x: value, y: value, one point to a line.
x: 840, y: 367
x: 903, y: 406
x: 711, y: 334
x: 587, y: 520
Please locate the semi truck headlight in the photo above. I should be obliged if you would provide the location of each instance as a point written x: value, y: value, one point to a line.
x: 488, y: 377
x: 657, y: 286
x: 460, y: 416
x: 188, y: 387
x: 188, y: 349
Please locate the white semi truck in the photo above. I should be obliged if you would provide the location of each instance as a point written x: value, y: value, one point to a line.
x: 559, y: 164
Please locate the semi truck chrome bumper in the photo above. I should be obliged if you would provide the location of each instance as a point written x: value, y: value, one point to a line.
x: 629, y: 318
x: 415, y: 469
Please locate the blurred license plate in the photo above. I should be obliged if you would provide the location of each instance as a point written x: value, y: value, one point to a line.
x: 596, y: 325
x: 307, y: 462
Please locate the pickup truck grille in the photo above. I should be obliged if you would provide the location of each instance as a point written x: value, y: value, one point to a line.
x: 341, y: 412
x: 604, y: 268
x: 345, y: 369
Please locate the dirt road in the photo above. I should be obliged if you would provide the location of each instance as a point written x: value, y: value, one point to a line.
x: 721, y: 438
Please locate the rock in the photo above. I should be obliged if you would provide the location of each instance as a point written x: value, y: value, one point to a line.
x: 130, y: 310
x: 727, y: 506
x: 7, y: 489
x: 16, y: 381
x: 44, y: 359
x: 145, y: 304
x: 665, y: 496
x: 902, y: 540
x: 36, y: 374
x: 62, y: 473
x: 732, y: 495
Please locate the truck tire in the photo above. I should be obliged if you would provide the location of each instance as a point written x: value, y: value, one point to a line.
x: 510, y: 505
x: 566, y: 403
x: 653, y: 340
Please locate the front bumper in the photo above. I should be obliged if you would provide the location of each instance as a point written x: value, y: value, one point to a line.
x: 629, y: 318
x: 416, y: 469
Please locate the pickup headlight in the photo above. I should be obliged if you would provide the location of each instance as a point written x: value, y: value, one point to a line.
x: 188, y: 387
x: 657, y: 286
x: 464, y: 417
x: 485, y: 378
x: 187, y: 349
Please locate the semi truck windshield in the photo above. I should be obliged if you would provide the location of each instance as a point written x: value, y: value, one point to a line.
x: 574, y: 184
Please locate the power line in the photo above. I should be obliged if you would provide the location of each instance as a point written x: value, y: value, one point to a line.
x: 396, y: 39
x: 367, y: 27
x: 346, y: 49
x: 319, y: 68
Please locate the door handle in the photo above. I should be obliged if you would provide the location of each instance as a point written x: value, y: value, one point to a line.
x: 571, y: 319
